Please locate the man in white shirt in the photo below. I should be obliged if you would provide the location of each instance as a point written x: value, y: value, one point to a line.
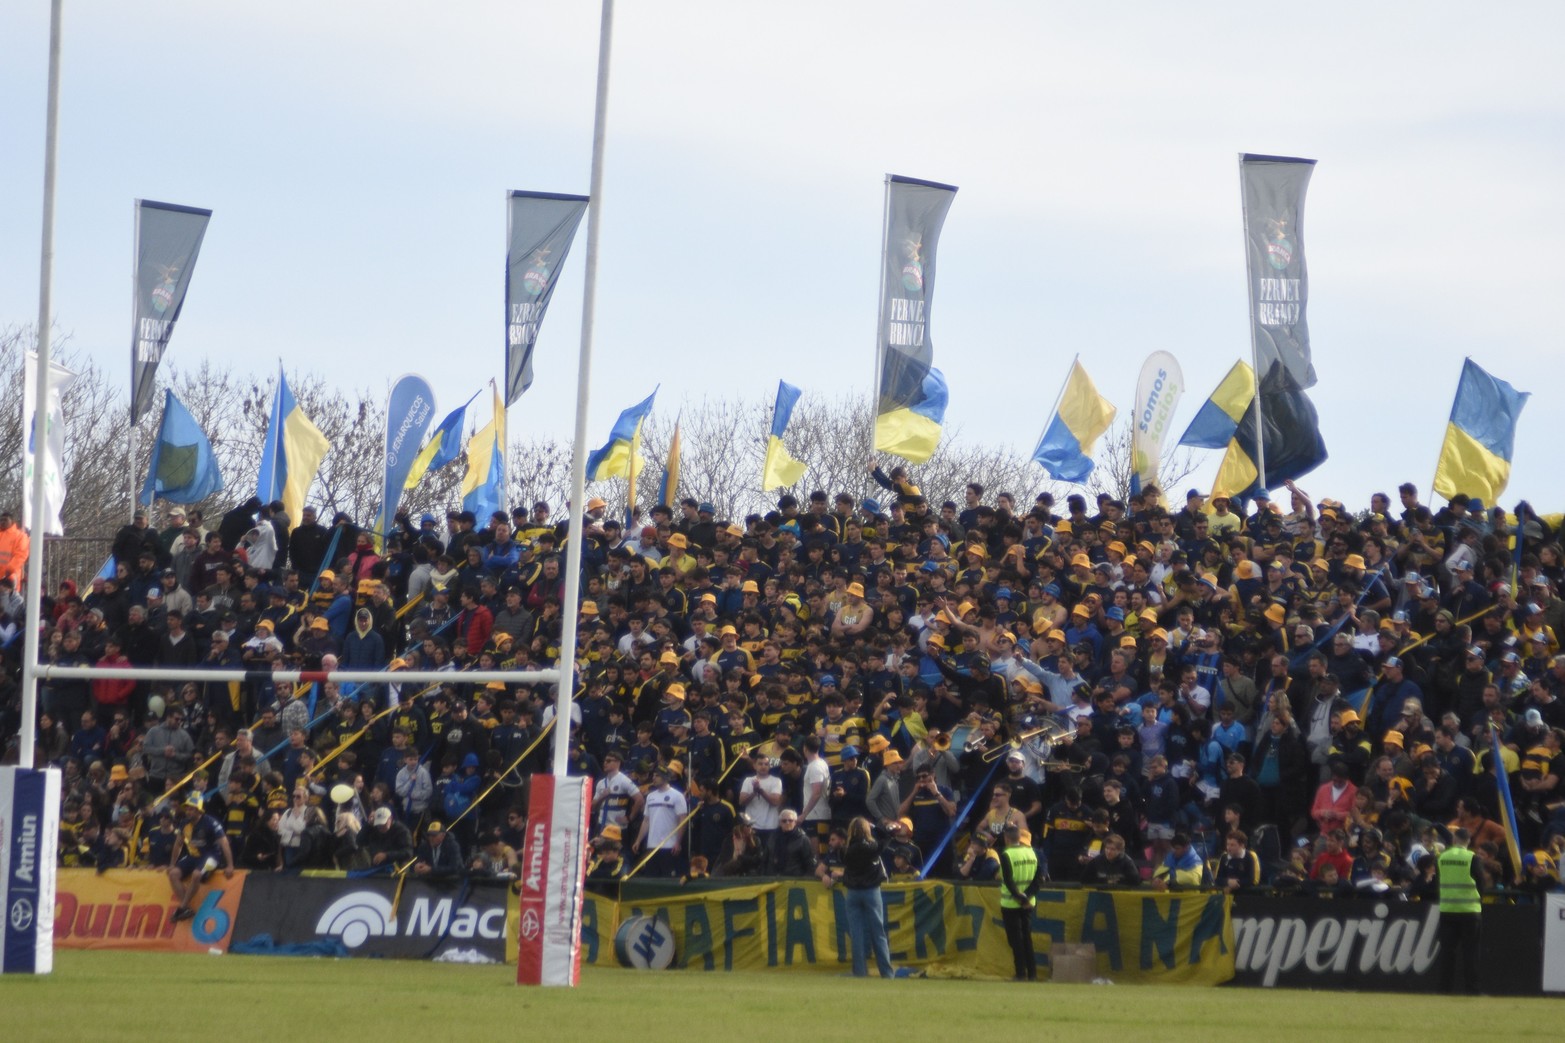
x: 615, y: 796
x: 816, y: 812
x: 761, y: 797
x: 665, y: 809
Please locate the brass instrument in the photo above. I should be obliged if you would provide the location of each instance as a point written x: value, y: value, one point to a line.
x: 1050, y: 734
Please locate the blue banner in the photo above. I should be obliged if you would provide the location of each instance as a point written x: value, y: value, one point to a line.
x: 29, y: 838
x: 408, y: 412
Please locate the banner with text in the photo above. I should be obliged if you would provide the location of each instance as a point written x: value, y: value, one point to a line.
x: 539, y: 230
x: 459, y: 921
x: 168, y: 238
x: 945, y: 928
x: 1373, y: 943
x: 1273, y: 190
x: 1158, y: 392
x: 409, y: 409
x: 132, y: 909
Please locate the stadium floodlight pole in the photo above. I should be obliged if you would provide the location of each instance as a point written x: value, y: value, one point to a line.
x: 40, y: 435
x: 1255, y: 351
x: 589, y: 299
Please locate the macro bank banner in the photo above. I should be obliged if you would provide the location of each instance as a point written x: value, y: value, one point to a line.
x: 133, y: 909
x: 460, y: 921
x: 944, y: 928
x: 1375, y: 944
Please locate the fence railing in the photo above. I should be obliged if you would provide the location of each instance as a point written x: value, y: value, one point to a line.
x: 73, y: 557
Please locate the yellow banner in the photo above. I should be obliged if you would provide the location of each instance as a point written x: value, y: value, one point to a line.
x: 134, y: 909
x: 944, y: 928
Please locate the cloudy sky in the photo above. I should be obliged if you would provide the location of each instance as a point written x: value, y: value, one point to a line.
x: 357, y: 156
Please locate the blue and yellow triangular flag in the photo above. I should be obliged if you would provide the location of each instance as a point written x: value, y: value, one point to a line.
x: 1480, y: 436
x: 1065, y: 450
x: 1219, y: 416
x: 483, y: 484
x: 780, y: 469
x: 292, y: 455
x: 614, y: 460
x: 444, y: 446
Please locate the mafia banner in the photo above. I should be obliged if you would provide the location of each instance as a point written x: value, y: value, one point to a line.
x: 168, y: 238
x: 1273, y: 189
x: 915, y: 213
x: 408, y: 412
x: 1377, y: 944
x: 1157, y: 396
x: 539, y: 229
x: 951, y: 930
x: 554, y: 867
x: 29, y: 839
x: 133, y: 909
x: 458, y: 921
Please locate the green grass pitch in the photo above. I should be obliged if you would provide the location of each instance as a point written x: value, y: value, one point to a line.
x: 135, y: 996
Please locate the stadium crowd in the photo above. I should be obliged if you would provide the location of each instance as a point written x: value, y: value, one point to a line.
x: 1282, y: 694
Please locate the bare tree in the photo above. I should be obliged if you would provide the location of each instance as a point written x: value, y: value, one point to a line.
x: 1114, y: 464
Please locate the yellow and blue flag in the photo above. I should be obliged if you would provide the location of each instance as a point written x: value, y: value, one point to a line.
x: 781, y: 469
x: 1507, y: 806
x: 912, y: 430
x: 444, y: 446
x: 183, y: 468
x: 1480, y: 437
x: 292, y: 455
x: 483, y: 486
x: 617, y: 457
x: 1065, y: 450
x: 1219, y: 416
x: 1293, y: 445
x: 670, y: 487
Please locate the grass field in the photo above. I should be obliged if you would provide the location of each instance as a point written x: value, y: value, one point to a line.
x: 122, y: 996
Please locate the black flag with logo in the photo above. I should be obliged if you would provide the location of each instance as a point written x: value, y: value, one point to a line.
x: 540, y: 227
x: 1273, y: 190
x: 915, y: 213
x: 168, y: 238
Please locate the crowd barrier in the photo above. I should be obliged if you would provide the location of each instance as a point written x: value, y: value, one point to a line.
x: 941, y: 928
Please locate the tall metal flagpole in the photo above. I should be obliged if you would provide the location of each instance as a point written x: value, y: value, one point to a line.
x: 1255, y: 359
x: 880, y: 321
x: 589, y: 300
x: 41, y: 403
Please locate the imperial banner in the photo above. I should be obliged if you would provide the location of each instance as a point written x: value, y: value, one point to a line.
x: 168, y: 238
x: 539, y: 230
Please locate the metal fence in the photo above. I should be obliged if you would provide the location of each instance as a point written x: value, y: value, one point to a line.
x: 73, y: 557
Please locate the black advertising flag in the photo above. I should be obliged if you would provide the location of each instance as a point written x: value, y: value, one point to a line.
x: 168, y: 238
x: 915, y: 212
x: 539, y: 231
x: 1273, y: 189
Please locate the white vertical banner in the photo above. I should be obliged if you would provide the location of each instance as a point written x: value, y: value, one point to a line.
x: 1554, y: 943
x: 29, y: 840
x: 554, y: 870
x: 1157, y: 396
x: 54, y: 447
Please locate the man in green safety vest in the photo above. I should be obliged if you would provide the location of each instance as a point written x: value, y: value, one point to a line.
x: 1019, y: 880
x: 1460, y: 876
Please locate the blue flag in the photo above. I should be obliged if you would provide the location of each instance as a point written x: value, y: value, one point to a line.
x: 183, y: 469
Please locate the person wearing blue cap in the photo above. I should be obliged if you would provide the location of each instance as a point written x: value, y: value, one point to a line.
x: 849, y: 792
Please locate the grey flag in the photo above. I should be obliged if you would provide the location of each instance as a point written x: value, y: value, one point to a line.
x: 1273, y: 189
x: 915, y: 212
x: 168, y: 238
x: 540, y: 227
